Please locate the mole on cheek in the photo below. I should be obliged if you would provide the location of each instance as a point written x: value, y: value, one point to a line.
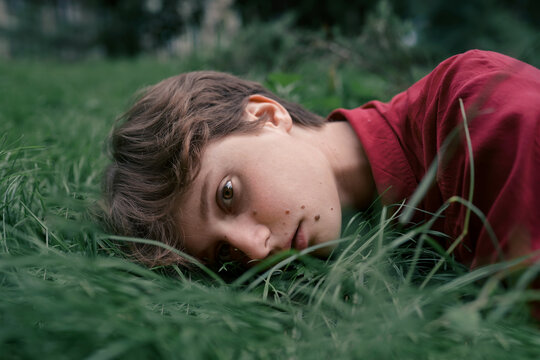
x: 303, y: 207
x: 331, y: 209
x: 287, y: 212
x: 317, y: 217
x: 254, y: 213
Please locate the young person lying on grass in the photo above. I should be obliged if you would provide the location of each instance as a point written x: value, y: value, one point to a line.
x: 225, y: 170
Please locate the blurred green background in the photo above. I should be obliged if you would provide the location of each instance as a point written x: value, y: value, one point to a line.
x: 71, y: 29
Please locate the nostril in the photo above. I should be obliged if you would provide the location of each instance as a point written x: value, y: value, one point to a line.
x: 266, y: 234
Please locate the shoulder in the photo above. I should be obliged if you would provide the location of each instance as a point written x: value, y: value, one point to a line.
x: 482, y: 61
x: 478, y: 66
x: 479, y: 78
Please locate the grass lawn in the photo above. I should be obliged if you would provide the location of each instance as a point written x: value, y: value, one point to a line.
x: 66, y: 293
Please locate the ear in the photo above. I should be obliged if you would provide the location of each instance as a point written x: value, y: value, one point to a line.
x: 274, y: 115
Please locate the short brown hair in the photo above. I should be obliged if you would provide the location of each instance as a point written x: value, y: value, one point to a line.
x: 156, y: 148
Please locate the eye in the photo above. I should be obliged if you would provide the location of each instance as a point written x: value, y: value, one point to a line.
x: 227, y: 194
x: 223, y: 253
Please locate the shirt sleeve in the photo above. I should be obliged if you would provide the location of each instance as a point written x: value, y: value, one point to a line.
x: 403, y: 137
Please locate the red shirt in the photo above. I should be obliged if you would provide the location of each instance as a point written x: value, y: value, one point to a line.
x: 403, y: 137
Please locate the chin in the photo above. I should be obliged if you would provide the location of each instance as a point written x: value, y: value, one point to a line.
x: 324, y: 252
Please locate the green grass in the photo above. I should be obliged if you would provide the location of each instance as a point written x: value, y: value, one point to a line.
x: 66, y: 293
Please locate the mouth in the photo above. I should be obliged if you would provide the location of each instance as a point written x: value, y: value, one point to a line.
x: 299, y: 241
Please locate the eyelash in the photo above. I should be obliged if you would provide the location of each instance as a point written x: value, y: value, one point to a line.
x: 227, y: 199
x: 223, y: 253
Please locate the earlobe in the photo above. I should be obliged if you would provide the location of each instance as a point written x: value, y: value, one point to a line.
x: 262, y: 108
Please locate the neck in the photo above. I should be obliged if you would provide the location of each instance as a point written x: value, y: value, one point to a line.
x: 344, y: 151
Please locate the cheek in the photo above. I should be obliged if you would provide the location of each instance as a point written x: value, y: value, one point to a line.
x: 268, y: 184
x: 290, y: 183
x: 326, y: 229
x: 328, y: 216
x: 334, y: 224
x: 269, y: 201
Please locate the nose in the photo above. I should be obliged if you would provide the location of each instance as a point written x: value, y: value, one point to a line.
x: 248, y: 236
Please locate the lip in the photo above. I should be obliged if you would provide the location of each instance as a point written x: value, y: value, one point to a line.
x: 300, y: 240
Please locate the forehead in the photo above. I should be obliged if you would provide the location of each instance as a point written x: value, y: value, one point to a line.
x: 217, y: 158
x: 236, y: 152
x: 188, y: 217
x: 230, y: 151
x: 221, y: 155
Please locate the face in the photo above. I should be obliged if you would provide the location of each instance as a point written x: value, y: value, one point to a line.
x: 259, y: 194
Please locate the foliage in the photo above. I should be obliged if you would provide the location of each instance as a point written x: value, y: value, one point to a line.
x: 67, y: 293
x: 428, y: 30
x: 446, y: 28
x: 79, y: 29
x: 339, y: 15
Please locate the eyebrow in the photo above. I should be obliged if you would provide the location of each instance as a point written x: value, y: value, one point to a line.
x: 204, y: 198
